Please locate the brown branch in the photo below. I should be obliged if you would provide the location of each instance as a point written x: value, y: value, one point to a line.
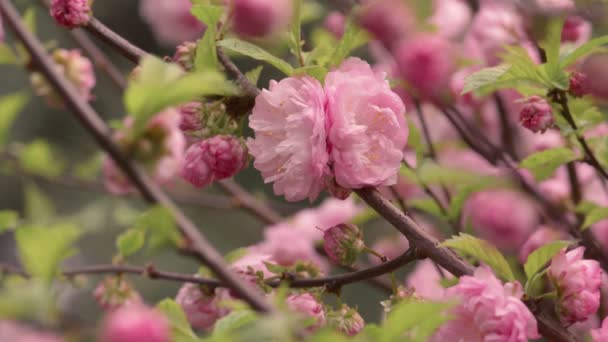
x: 249, y: 88
x: 150, y: 191
x: 248, y: 202
x: 101, y: 31
x: 507, y: 131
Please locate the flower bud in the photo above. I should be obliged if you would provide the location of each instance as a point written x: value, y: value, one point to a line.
x: 216, y: 158
x: 191, y: 117
x: 343, y: 244
x: 75, y: 67
x: 334, y: 23
x: 71, y: 13
x: 307, y: 305
x: 536, y: 114
x: 388, y: 20
x: 202, y: 306
x: 135, y: 323
x: 260, y: 18
x: 184, y: 55
x: 115, y: 292
x: 346, y: 320
x: 578, y: 84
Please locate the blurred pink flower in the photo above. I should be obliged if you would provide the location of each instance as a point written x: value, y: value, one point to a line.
x: 578, y: 282
x: 367, y: 131
x: 489, y: 311
x: 290, y: 147
x: 11, y: 331
x: 115, y: 292
x: 334, y: 23
x: 249, y: 265
x: 307, y: 305
x: 594, y: 67
x: 576, y: 30
x: 171, y: 20
x: 425, y: 279
x: 542, y: 236
x: 191, y: 116
x: 505, y: 218
x: 202, y: 309
x: 553, y: 7
x: 601, y: 334
x: 135, y: 323
x: 71, y: 13
x: 451, y: 17
x: 260, y: 18
x: 388, y: 20
x: 347, y: 320
x: 390, y: 246
x: 457, y: 85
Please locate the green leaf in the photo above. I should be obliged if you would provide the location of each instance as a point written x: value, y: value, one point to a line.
x: 43, y: 249
x: 540, y: 257
x: 7, y: 55
x: 38, y: 158
x: 594, y: 216
x: 324, y: 44
x: 544, y: 163
x: 10, y: 106
x: 253, y: 75
x: 427, y: 205
x: 233, y: 321
x: 295, y: 30
x: 30, y: 299
x: 38, y: 207
x: 235, y: 255
x: 583, y: 50
x: 8, y: 220
x: 180, y: 327
x: 89, y: 169
x: 206, y: 54
x: 414, y: 140
x: 483, y: 251
x: 129, y: 242
x: 256, y: 52
x: 29, y: 19
x: 209, y: 15
x: 353, y: 37
x: 411, y: 316
x: 551, y: 46
x: 315, y: 71
x: 160, y: 226
x: 484, y: 77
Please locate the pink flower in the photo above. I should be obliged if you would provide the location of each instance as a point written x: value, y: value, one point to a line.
x: 503, y: 217
x: 184, y: 55
x: 536, y: 114
x: 71, y: 13
x: 115, y: 292
x: 135, y: 323
x: 601, y: 334
x: 334, y: 23
x: 594, y: 67
x: 541, y: 237
x: 248, y: 266
x: 390, y: 246
x: 346, y: 320
x: 202, y: 309
x: 259, y: 18
x: 576, y: 30
x: 216, y: 158
x: 578, y: 282
x: 17, y: 332
x: 388, y: 20
x: 367, y: 131
x: 343, y: 244
x: 425, y: 279
x: 426, y: 62
x: 171, y: 20
x: 578, y: 84
x: 290, y: 147
x: 307, y: 305
x: 451, y: 17
x: 489, y: 311
x: 191, y: 117
x: 75, y: 67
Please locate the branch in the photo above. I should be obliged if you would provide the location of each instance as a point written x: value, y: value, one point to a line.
x: 248, y: 202
x: 128, y: 50
x: 153, y: 194
x: 506, y: 127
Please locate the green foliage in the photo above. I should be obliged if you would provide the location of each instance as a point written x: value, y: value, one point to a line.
x: 294, y: 40
x: 129, y: 242
x: 324, y: 45
x: 427, y: 205
x: 256, y: 52
x: 484, y: 78
x: 485, y: 252
x: 551, y: 45
x: 235, y: 255
x: 582, y: 51
x: 353, y: 37
x: 37, y: 157
x: 26, y: 299
x: 594, y: 216
x: 10, y: 106
x: 419, y: 318
x: 234, y: 321
x: 414, y: 140
x: 544, y: 163
x: 43, y: 249
x: 7, y: 55
x: 29, y: 19
x: 8, y: 220
x: 315, y: 71
x: 253, y: 75
x: 541, y: 256
x: 38, y: 207
x: 88, y: 169
x: 160, y: 85
x: 180, y: 327
x: 159, y: 224
x: 206, y: 54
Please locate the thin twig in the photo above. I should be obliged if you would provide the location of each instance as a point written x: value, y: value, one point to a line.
x: 507, y: 131
x: 248, y: 202
x: 128, y: 50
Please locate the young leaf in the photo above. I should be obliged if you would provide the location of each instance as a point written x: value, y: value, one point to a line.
x: 8, y: 220
x: 7, y: 55
x: 484, y: 252
x: 484, y: 77
x: 410, y: 315
x: 206, y: 54
x: 594, y: 216
x: 253, y: 75
x: 256, y: 52
x: 234, y: 321
x: 543, y: 164
x: 352, y: 38
x: 159, y: 223
x: 10, y: 106
x: 209, y: 15
x: 180, y: 327
x: 38, y: 207
x: 42, y: 249
x: 415, y: 140
x: 583, y: 50
x: 37, y: 157
x: 315, y: 71
x: 552, y: 44
x: 295, y: 31
x: 129, y: 242
x: 540, y: 257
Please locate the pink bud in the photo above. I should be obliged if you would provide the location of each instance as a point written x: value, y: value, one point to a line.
x: 343, y: 244
x: 216, y: 158
x: 451, y: 17
x: 536, y: 114
x: 346, y: 320
x: 334, y: 23
x: 202, y: 306
x: 260, y: 18
x: 388, y: 20
x: 184, y: 55
x: 135, y: 323
x: 309, y: 306
x: 191, y: 117
x: 578, y: 84
x: 71, y: 13
x: 115, y: 292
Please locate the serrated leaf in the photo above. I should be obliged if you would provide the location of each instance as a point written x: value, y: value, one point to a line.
x: 42, y: 249
x: 582, y: 50
x: 38, y: 158
x: 544, y: 163
x: 255, y: 52
x: 352, y: 38
x: 483, y: 251
x: 594, y: 216
x: 541, y: 256
x: 180, y: 327
x: 38, y: 207
x: 8, y: 220
x: 10, y: 106
x: 233, y: 321
x: 551, y: 44
x: 129, y: 242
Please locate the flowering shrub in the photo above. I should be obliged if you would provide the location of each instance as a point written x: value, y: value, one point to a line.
x: 448, y: 156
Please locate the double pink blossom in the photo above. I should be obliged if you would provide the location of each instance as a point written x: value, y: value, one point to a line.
x: 307, y: 305
x: 135, y: 323
x: 202, y: 308
x: 71, y: 13
x: 489, y: 311
x: 171, y: 21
